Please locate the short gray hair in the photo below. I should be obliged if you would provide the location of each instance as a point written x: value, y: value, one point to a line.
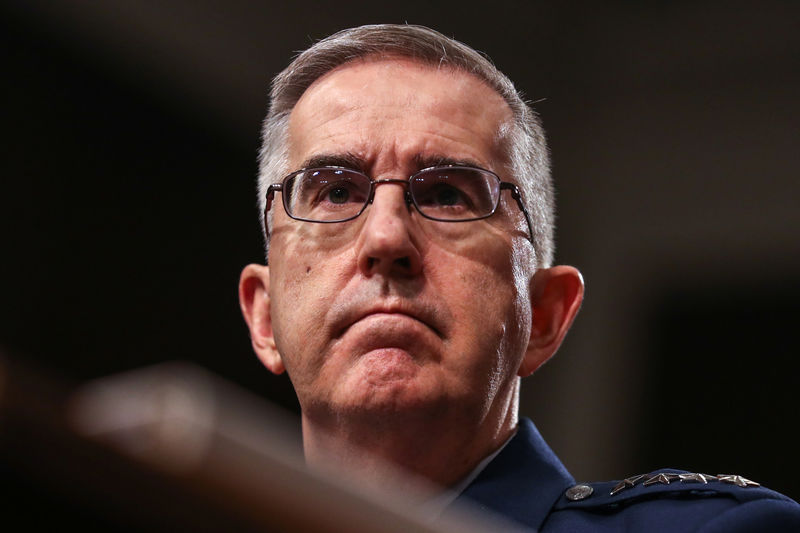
x: 525, y: 139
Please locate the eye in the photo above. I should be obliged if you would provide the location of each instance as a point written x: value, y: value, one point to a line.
x: 329, y: 187
x: 338, y: 192
x: 455, y: 193
x: 328, y: 193
x: 445, y: 195
x: 441, y: 191
x: 338, y: 195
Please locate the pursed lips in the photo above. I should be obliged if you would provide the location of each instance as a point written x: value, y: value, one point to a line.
x: 424, y: 317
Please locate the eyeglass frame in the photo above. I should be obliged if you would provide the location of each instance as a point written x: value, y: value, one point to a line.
x: 409, y: 198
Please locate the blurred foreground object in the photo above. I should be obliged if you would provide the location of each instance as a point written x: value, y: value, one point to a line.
x: 174, y: 446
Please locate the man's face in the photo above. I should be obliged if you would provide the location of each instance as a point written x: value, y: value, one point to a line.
x: 391, y: 312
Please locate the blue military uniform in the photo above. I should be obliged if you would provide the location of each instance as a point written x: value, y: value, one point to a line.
x: 527, y: 483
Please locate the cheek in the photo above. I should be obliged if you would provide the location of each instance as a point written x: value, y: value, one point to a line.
x: 302, y: 289
x: 309, y: 242
x: 489, y: 294
x: 487, y: 343
x: 491, y: 307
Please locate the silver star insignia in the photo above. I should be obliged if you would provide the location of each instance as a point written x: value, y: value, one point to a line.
x: 737, y: 480
x: 697, y: 478
x: 664, y: 477
x: 627, y: 483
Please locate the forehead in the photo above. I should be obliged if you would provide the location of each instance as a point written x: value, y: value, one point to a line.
x: 388, y: 111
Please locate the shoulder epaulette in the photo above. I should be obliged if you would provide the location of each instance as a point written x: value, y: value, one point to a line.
x: 662, y: 484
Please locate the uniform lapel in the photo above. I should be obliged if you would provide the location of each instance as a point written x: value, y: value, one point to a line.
x: 523, y: 482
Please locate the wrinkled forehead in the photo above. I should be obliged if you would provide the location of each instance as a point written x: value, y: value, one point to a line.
x: 385, y: 100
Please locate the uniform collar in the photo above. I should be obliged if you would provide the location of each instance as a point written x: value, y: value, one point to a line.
x: 523, y: 481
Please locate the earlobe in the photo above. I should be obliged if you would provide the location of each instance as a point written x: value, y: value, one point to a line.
x: 556, y: 296
x: 254, y: 302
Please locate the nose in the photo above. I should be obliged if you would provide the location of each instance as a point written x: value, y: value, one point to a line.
x: 387, y: 244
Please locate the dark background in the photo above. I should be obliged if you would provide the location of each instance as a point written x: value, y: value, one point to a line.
x: 127, y: 204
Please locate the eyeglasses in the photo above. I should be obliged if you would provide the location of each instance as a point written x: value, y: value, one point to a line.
x: 449, y: 193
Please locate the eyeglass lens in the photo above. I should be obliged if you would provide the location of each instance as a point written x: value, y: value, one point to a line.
x: 446, y: 193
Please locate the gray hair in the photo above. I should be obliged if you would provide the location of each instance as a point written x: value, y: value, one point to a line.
x: 524, y: 137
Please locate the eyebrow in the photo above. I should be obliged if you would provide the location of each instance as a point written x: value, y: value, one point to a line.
x: 356, y: 162
x: 437, y: 160
x: 346, y: 160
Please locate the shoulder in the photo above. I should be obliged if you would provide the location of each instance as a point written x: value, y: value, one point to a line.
x: 673, y: 500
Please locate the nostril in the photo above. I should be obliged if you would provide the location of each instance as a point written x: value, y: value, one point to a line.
x: 401, y: 262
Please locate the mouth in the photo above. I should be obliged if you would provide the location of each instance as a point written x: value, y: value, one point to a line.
x: 422, y: 316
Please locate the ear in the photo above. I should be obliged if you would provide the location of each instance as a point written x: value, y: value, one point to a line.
x: 254, y: 301
x: 556, y: 296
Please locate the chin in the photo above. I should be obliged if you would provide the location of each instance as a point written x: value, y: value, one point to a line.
x: 382, y: 383
x: 390, y: 400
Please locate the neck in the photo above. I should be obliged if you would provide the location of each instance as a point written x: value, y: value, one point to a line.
x: 373, y: 450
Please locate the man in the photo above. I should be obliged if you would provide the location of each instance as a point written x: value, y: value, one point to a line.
x: 409, y: 285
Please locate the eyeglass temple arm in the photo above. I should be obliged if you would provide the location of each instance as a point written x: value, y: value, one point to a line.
x: 268, y: 204
x: 518, y: 197
x: 271, y: 195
